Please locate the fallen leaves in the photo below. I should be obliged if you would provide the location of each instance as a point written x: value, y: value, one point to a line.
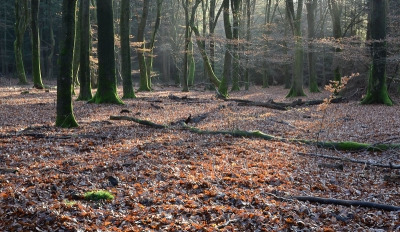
x: 174, y: 180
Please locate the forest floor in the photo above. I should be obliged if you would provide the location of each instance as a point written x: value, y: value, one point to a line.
x: 176, y: 180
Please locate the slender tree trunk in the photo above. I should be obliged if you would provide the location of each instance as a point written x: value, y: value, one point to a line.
x: 335, y: 11
x: 377, y: 88
x: 248, y: 40
x: 223, y: 87
x: 107, y: 88
x: 295, y: 22
x: 77, y: 51
x: 185, y: 84
x: 126, y: 69
x: 21, y: 22
x: 52, y: 43
x: 150, y: 58
x: 192, y: 65
x: 65, y: 115
x: 37, y: 75
x: 235, y: 38
x: 4, y: 57
x: 311, y: 5
x: 200, y: 45
x: 144, y: 83
x: 85, y: 92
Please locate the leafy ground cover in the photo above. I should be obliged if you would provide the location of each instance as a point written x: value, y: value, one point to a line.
x: 174, y: 180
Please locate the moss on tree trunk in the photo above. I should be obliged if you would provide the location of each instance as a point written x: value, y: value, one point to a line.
x: 377, y: 88
x: 126, y: 69
x: 85, y: 92
x: 295, y: 23
x: 107, y: 87
x: 65, y: 115
x: 21, y: 14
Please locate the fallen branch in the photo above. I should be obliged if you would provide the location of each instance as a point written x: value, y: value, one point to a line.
x: 8, y: 170
x: 142, y: 122
x: 346, y: 145
x: 347, y: 203
x: 392, y: 166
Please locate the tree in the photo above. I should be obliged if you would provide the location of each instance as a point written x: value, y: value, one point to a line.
x: 65, y: 115
x: 126, y: 70
x: 188, y: 34
x: 269, y: 17
x: 295, y: 25
x: 377, y: 88
x: 201, y: 45
x: 235, y: 40
x: 85, y: 92
x: 336, y: 11
x: 21, y: 22
x: 150, y: 57
x: 107, y: 89
x: 144, y: 82
x: 37, y: 76
x: 311, y: 6
x: 223, y: 87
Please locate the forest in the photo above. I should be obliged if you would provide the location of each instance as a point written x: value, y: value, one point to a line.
x: 199, y: 115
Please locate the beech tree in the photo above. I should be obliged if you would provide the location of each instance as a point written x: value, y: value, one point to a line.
x: 126, y: 70
x: 85, y: 92
x: 144, y: 82
x: 65, y: 115
x: 377, y: 88
x: 21, y: 22
x: 107, y: 88
x: 311, y: 6
x: 295, y: 25
x: 36, y: 73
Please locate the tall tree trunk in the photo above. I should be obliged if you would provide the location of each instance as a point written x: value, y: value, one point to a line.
x: 107, y: 88
x: 85, y: 92
x: 52, y: 42
x: 235, y: 38
x: 295, y: 23
x: 185, y: 84
x: 77, y: 51
x: 192, y: 65
x: 150, y: 58
x: 311, y: 5
x: 335, y: 11
x: 226, y: 74
x: 377, y: 88
x: 37, y: 75
x: 200, y: 45
x: 21, y: 22
x: 65, y: 115
x: 144, y: 83
x: 126, y: 69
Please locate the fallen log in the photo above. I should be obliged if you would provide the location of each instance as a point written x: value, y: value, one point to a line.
x: 391, y: 166
x: 263, y: 104
x: 8, y: 170
x: 346, y: 145
x: 140, y: 121
x: 347, y: 203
